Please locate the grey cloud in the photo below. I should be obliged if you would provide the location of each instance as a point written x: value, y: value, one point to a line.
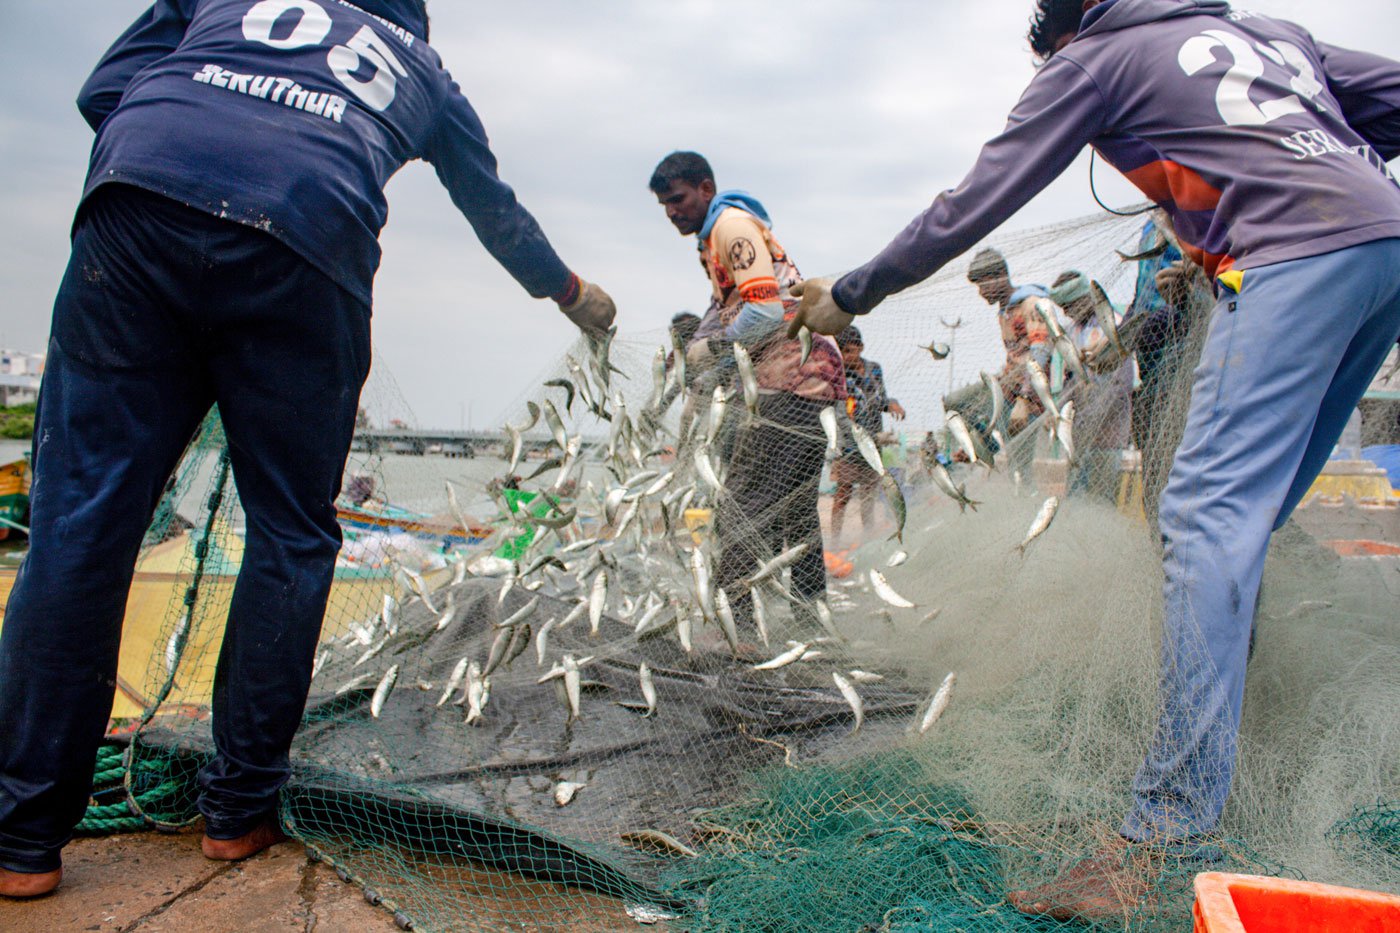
x: 845, y: 118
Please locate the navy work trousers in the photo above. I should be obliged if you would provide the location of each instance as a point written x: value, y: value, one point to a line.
x: 164, y: 311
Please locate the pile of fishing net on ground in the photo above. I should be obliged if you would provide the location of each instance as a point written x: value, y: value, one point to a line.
x: 742, y: 799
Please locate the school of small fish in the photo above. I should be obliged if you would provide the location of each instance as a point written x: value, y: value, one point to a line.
x: 642, y: 497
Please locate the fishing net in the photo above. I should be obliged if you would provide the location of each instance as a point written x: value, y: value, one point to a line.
x: 530, y: 710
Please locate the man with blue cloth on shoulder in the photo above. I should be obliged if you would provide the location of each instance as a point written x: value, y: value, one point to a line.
x: 1268, y: 150
x: 771, y: 490
x: 224, y: 253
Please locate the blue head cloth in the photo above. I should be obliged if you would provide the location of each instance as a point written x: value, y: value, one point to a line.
x: 733, y: 198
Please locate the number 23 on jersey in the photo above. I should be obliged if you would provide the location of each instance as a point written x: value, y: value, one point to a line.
x: 1232, y: 96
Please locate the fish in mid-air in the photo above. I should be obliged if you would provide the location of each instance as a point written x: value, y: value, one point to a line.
x: 1063, y: 429
x: 573, y: 685
x: 1041, y: 384
x: 597, y: 599
x: 1043, y: 518
x: 895, y: 497
x: 1107, y: 318
x: 887, y: 592
x: 725, y: 613
x: 747, y: 379
x: 938, y: 704
x: 760, y: 615
x: 998, y: 399
x: 961, y: 435
x: 944, y: 481
x: 833, y: 433
x: 868, y: 448
x: 478, y: 694
x: 454, y: 681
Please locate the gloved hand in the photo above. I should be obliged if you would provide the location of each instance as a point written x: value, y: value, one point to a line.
x: 593, y: 309
x: 1100, y: 357
x: 818, y: 312
x: 1174, y: 284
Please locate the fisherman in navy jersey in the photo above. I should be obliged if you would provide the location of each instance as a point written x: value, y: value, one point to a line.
x: 224, y: 253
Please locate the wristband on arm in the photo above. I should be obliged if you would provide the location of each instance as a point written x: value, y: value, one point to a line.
x: 573, y: 288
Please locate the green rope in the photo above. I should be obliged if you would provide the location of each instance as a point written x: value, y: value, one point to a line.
x: 109, y: 777
x: 119, y: 808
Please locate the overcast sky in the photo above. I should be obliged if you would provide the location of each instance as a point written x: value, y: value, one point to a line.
x: 846, y: 118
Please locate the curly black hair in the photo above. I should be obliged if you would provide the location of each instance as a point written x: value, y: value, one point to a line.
x: 1054, y: 19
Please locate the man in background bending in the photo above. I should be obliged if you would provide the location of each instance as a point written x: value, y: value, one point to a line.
x: 1023, y: 333
x: 773, y: 478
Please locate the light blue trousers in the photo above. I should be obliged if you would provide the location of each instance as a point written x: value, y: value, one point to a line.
x: 1285, y: 363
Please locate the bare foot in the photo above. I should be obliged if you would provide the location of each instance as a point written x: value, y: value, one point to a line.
x: 251, y: 843
x: 18, y: 884
x: 1107, y: 886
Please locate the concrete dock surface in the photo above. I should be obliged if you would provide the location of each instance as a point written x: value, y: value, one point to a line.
x: 162, y: 883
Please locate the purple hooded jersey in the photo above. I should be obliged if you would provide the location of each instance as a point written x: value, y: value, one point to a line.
x: 1263, y: 144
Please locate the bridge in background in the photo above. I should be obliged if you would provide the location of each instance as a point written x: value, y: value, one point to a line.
x: 424, y: 441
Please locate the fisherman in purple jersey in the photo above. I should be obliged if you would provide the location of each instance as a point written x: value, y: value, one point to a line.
x: 224, y: 253
x: 1268, y: 149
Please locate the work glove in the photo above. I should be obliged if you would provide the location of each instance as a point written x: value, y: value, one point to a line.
x: 593, y: 309
x: 1174, y: 284
x: 818, y: 311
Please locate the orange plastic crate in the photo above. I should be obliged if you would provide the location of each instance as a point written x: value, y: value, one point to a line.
x: 1251, y: 904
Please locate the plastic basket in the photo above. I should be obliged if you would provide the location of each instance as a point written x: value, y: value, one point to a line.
x: 1252, y: 904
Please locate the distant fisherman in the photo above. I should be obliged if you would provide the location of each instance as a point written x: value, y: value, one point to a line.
x: 224, y: 253
x: 770, y: 503
x: 1023, y: 333
x: 1103, y: 425
x: 1267, y: 148
x: 867, y: 400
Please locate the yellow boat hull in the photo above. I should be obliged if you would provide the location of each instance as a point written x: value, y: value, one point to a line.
x: 154, y: 608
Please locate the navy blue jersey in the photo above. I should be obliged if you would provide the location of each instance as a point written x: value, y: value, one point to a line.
x: 291, y: 116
